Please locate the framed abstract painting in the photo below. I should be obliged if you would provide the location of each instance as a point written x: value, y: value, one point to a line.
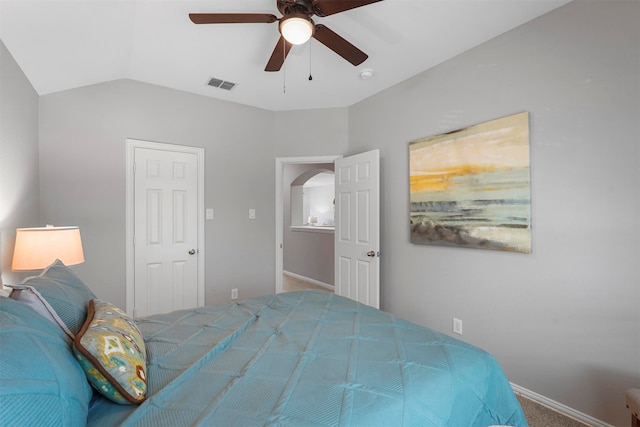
x: 471, y: 187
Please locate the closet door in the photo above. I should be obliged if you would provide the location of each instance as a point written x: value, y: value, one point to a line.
x: 166, y: 231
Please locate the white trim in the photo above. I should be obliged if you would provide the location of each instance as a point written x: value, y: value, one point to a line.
x: 280, y: 162
x: 559, y: 407
x: 130, y: 146
x: 310, y: 280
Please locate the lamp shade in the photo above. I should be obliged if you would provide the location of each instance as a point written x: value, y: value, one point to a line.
x: 36, y: 248
x: 297, y: 29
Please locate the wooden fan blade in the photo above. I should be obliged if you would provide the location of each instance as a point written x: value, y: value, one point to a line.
x: 329, y: 7
x: 279, y: 55
x: 339, y: 45
x: 232, y: 18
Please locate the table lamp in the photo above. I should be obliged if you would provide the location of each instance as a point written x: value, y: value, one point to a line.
x: 38, y: 247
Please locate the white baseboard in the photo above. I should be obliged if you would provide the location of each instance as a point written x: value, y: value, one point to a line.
x: 559, y: 407
x: 308, y: 279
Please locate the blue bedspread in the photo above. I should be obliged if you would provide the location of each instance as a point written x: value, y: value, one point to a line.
x: 310, y: 359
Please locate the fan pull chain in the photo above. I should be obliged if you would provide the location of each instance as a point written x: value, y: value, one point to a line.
x: 310, y: 77
x: 284, y: 67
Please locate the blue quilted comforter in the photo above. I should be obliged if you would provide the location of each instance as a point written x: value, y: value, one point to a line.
x: 310, y: 359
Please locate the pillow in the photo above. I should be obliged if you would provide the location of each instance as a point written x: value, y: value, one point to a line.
x: 31, y: 297
x: 64, y: 292
x: 41, y: 384
x: 111, y: 351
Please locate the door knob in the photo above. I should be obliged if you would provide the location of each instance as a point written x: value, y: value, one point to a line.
x: 371, y: 254
x: 192, y: 252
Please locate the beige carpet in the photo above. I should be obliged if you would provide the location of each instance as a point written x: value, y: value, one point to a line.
x: 292, y: 284
x: 540, y: 416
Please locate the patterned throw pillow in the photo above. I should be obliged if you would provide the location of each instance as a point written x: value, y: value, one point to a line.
x: 111, y: 351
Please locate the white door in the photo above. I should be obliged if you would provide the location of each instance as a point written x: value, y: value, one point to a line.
x: 357, y: 227
x: 166, y: 231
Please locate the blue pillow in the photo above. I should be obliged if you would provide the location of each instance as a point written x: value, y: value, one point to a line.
x: 41, y: 383
x: 64, y: 292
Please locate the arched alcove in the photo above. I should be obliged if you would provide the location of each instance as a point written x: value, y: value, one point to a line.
x: 313, y: 199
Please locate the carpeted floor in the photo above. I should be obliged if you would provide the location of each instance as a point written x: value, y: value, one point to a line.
x: 292, y: 284
x: 537, y: 415
x: 540, y: 416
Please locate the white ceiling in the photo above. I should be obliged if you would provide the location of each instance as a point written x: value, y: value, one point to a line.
x: 64, y: 44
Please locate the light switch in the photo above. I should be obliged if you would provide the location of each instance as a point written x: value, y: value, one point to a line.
x: 209, y: 213
x: 252, y: 214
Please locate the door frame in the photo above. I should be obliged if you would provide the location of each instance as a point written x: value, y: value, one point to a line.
x: 131, y: 145
x: 280, y: 163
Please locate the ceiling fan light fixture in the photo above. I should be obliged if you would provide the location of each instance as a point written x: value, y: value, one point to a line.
x: 297, y: 29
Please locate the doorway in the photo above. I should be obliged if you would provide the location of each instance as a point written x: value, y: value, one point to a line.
x: 308, y: 227
x: 357, y: 224
x: 281, y: 163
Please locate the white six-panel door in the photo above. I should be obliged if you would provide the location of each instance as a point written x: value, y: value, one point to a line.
x: 166, y: 249
x: 357, y: 227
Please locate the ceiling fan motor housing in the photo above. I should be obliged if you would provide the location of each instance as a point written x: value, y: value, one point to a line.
x: 295, y: 7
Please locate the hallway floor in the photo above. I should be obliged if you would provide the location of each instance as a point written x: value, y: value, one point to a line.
x: 293, y: 284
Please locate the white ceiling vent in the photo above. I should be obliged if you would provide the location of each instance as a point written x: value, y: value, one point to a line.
x: 221, y: 84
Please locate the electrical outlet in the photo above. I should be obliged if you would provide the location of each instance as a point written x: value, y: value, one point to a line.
x: 234, y: 293
x: 252, y: 214
x: 209, y: 213
x: 457, y: 326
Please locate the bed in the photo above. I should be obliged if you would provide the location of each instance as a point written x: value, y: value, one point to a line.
x: 308, y: 358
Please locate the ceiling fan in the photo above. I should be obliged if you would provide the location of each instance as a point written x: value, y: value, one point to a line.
x: 296, y: 26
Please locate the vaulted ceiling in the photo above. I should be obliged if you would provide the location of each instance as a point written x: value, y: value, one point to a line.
x: 64, y: 44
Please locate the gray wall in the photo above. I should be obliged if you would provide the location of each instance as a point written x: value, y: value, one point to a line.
x: 19, y: 187
x: 563, y: 321
x: 82, y: 174
x: 311, y: 132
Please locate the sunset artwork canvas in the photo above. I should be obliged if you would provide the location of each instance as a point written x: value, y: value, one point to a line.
x: 471, y: 187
